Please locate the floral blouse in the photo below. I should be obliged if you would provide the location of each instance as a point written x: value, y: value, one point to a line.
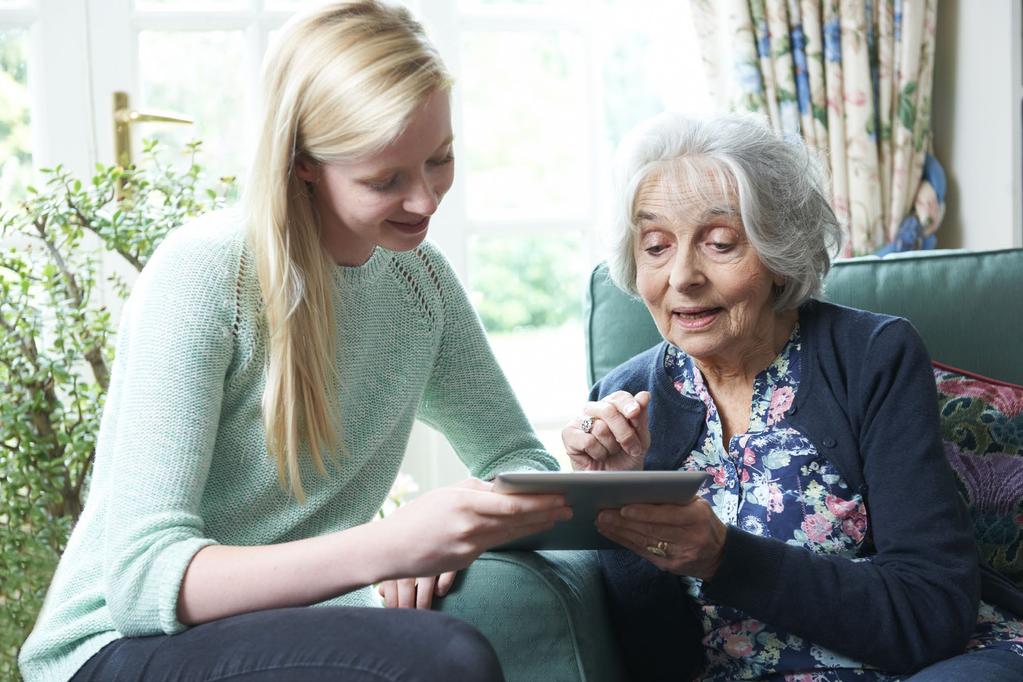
x: 771, y: 481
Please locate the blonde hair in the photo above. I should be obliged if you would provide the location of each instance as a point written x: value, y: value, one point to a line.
x: 340, y: 84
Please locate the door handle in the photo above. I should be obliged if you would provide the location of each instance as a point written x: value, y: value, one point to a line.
x: 125, y: 116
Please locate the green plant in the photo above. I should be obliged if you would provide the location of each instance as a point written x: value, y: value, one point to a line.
x: 526, y: 282
x: 73, y: 245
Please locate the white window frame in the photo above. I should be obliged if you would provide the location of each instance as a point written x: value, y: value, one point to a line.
x: 445, y: 23
x: 58, y: 81
x: 71, y: 108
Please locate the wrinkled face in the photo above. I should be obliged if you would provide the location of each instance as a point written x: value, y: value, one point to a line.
x: 386, y: 199
x: 702, y: 281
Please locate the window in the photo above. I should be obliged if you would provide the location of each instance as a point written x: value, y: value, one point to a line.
x: 168, y: 62
x: 15, y: 130
x: 544, y: 91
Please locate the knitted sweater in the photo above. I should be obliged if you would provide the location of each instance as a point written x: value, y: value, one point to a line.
x: 182, y: 461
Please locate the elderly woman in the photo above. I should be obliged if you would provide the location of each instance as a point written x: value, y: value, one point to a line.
x: 830, y: 543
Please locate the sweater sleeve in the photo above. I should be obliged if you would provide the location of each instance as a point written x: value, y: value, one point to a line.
x: 468, y: 398
x: 160, y: 425
x: 915, y: 600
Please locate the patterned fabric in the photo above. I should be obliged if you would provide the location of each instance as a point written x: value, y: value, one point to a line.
x: 982, y: 426
x: 771, y: 481
x: 853, y: 80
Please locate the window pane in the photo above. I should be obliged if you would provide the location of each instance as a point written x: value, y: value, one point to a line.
x: 469, y: 5
x: 15, y: 135
x: 528, y: 290
x: 191, y: 5
x: 525, y: 125
x: 526, y: 281
x: 176, y: 74
x: 651, y: 63
x: 292, y: 4
x: 547, y: 371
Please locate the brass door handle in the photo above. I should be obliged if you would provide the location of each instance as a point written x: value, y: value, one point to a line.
x: 125, y: 116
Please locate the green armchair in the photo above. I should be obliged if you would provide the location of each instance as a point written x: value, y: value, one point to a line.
x: 544, y: 611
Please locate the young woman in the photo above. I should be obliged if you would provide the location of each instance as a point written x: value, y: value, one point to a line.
x: 269, y: 368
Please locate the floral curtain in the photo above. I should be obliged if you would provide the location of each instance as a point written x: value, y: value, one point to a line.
x: 853, y: 79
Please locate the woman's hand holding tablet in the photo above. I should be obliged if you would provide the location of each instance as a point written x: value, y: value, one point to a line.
x: 587, y: 493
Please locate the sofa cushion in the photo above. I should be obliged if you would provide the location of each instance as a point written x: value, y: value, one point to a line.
x: 961, y: 302
x: 982, y: 428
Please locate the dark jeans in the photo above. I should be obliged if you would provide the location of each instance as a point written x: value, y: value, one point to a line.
x: 313, y: 644
x: 983, y: 665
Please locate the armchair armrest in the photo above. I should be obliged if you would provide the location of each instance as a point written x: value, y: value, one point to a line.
x: 543, y: 612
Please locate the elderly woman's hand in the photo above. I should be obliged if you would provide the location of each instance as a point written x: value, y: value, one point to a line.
x: 612, y: 434
x: 686, y: 539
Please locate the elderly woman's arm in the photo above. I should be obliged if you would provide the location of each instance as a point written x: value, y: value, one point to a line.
x: 909, y: 601
x: 915, y: 600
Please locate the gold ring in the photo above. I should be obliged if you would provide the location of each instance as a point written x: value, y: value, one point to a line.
x: 659, y: 549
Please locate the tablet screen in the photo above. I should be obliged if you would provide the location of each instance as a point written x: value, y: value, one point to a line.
x: 588, y: 492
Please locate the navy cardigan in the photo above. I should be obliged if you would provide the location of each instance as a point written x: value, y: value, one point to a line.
x: 867, y: 402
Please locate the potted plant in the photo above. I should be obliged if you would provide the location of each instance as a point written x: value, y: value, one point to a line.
x: 72, y: 249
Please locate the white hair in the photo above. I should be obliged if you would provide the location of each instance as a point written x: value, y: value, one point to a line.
x: 780, y: 184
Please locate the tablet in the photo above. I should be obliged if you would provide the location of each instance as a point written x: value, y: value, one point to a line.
x: 588, y: 492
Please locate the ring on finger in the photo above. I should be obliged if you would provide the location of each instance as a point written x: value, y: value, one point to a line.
x: 660, y: 549
x: 587, y: 424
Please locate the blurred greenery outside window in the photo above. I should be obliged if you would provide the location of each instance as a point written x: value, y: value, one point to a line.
x: 15, y: 131
x: 526, y: 281
x: 547, y: 89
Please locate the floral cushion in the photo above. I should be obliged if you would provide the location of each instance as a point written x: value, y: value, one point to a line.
x: 982, y: 427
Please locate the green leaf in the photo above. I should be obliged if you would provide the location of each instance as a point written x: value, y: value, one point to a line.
x: 782, y: 46
x: 907, y: 105
x: 786, y: 95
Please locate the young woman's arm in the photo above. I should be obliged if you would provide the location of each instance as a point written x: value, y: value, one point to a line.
x: 467, y: 397
x: 155, y: 447
x: 161, y: 567
x: 469, y: 400
x: 223, y: 581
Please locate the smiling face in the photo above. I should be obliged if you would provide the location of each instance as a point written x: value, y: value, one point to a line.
x: 700, y: 277
x: 385, y: 199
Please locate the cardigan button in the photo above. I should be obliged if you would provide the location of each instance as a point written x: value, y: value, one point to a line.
x: 829, y: 442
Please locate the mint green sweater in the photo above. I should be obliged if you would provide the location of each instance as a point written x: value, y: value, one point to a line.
x: 182, y: 462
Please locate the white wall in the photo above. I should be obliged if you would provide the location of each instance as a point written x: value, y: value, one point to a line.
x: 976, y: 120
